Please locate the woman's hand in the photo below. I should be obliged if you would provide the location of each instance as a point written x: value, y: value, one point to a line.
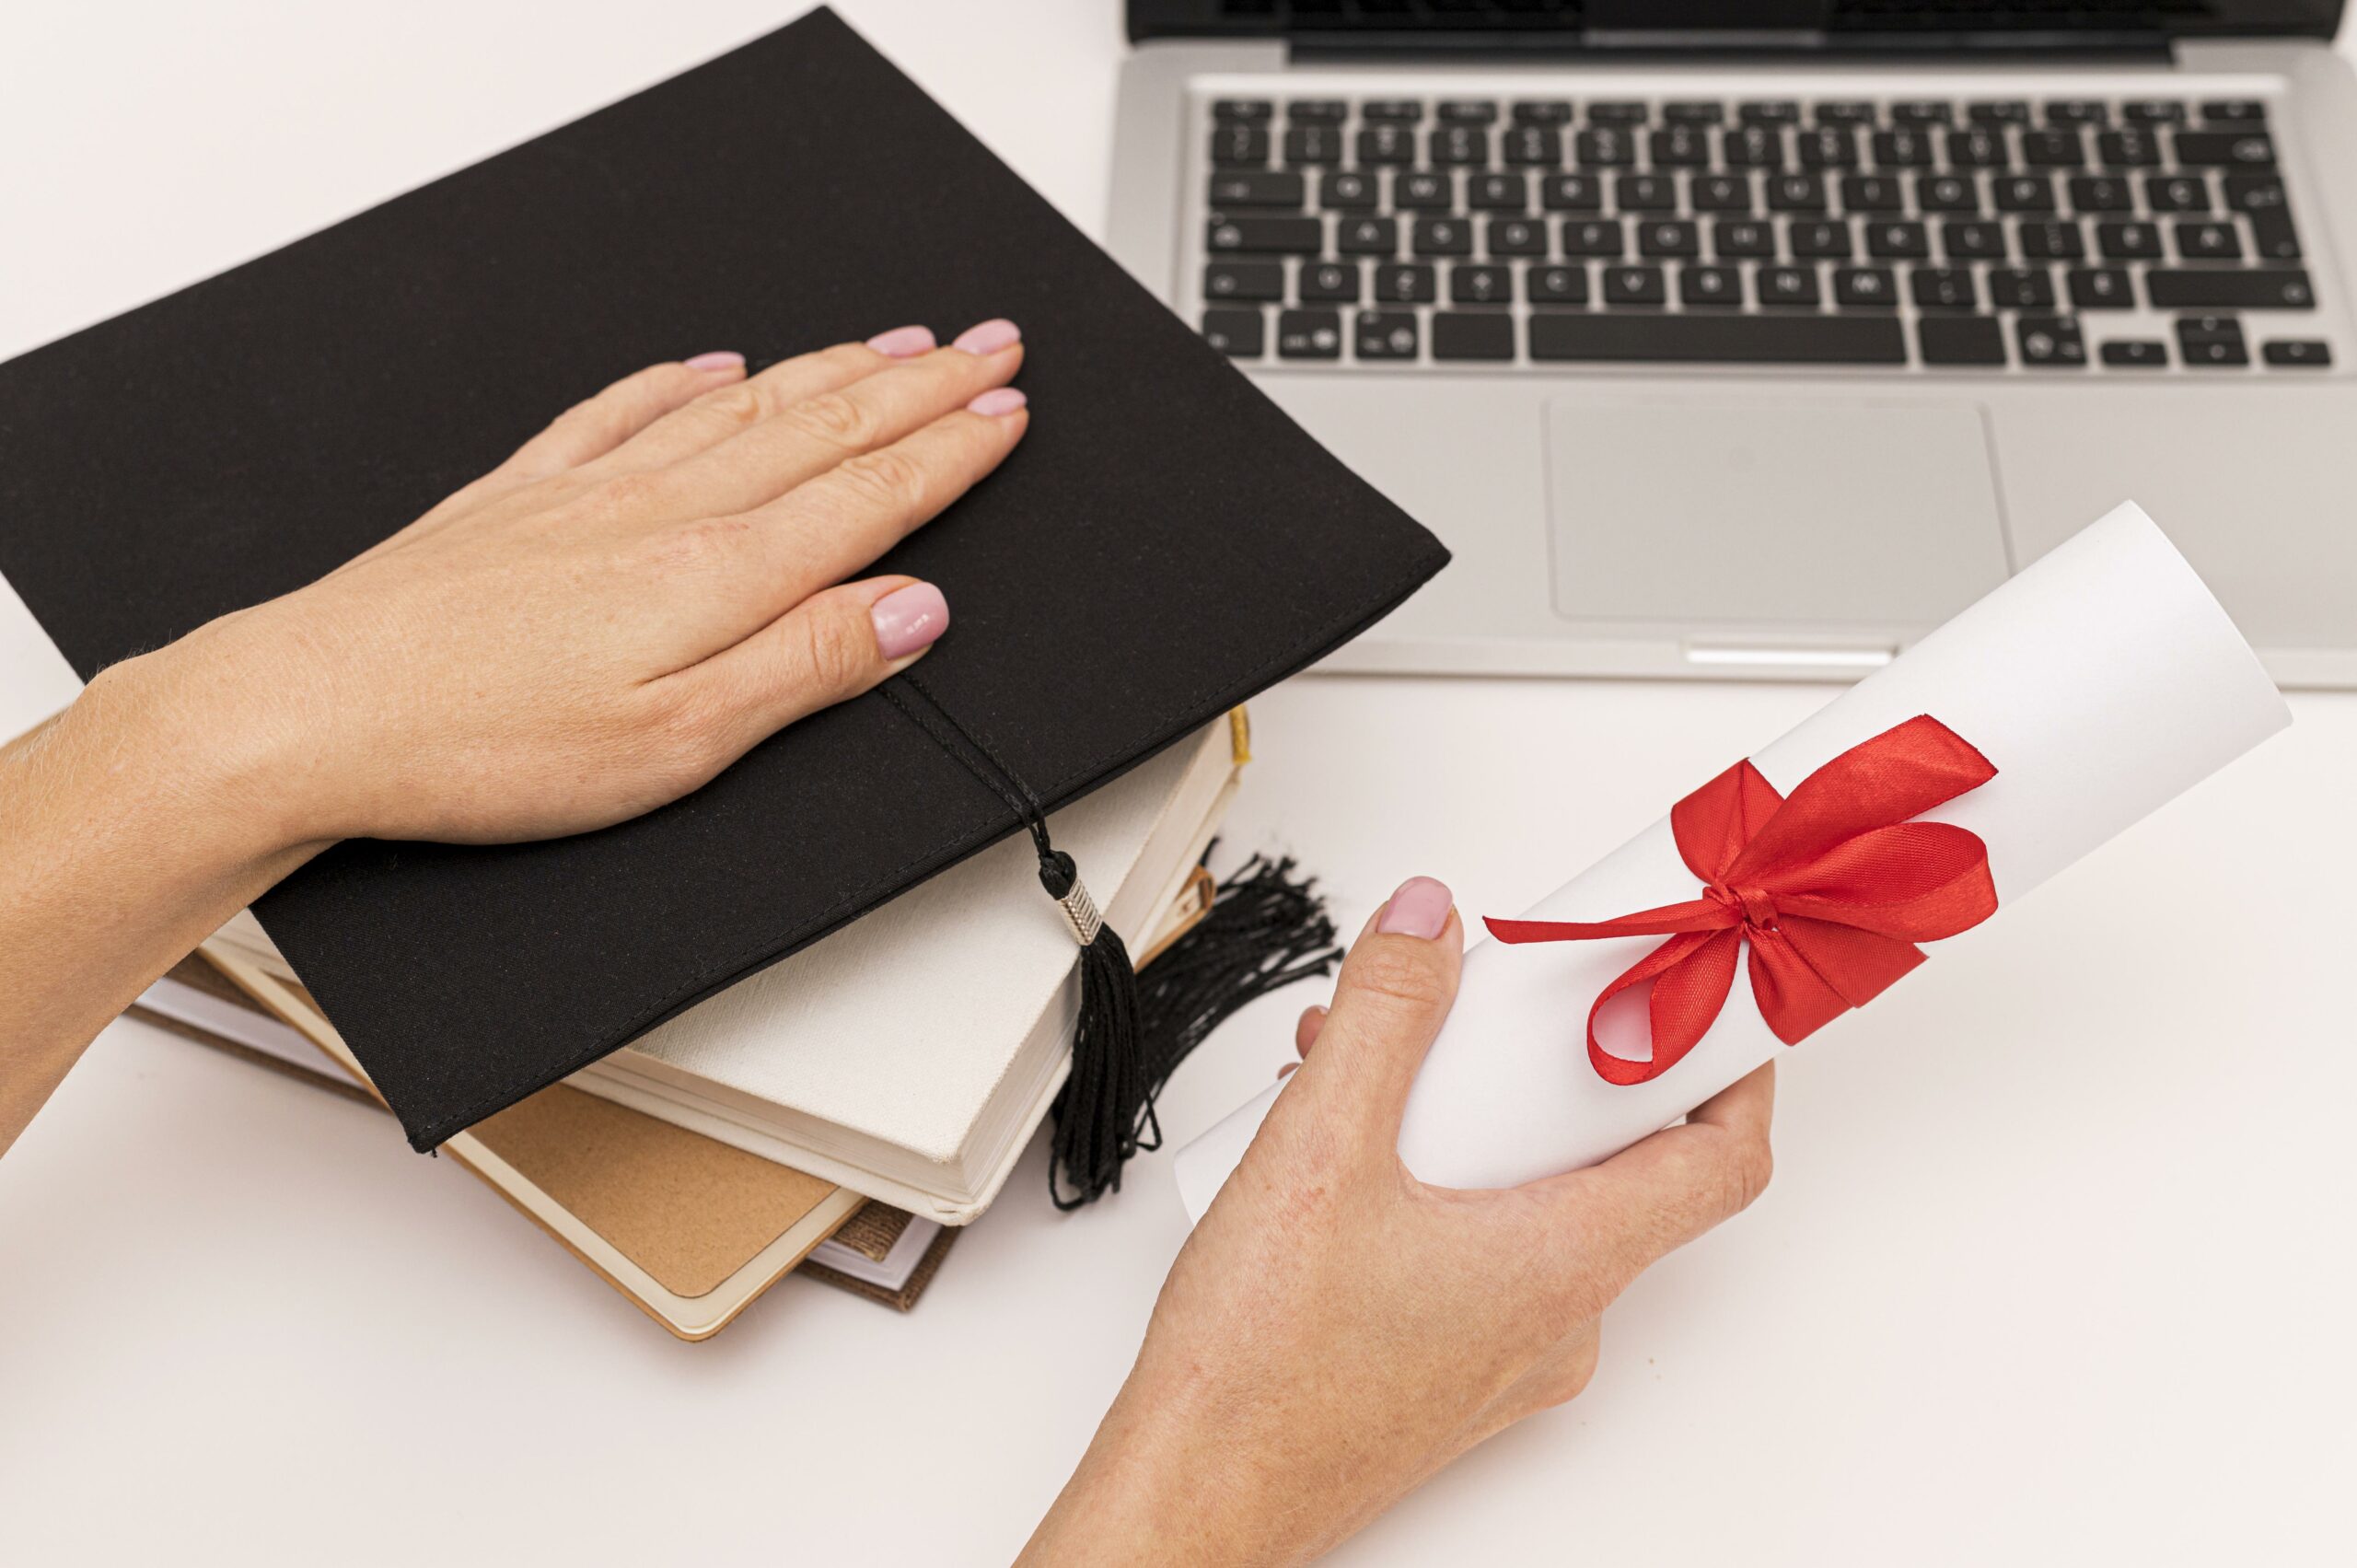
x: 1336, y: 1330
x: 658, y: 581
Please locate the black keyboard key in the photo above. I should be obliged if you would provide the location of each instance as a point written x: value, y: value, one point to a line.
x: 2153, y: 112
x: 2053, y: 240
x: 2022, y: 288
x: 2273, y: 236
x: 1592, y: 237
x: 1828, y: 147
x: 1318, y: 146
x: 1257, y: 188
x: 1960, y: 339
x: 1864, y: 286
x: 2237, y: 111
x: 2078, y: 111
x: 2053, y: 149
x: 1670, y: 237
x: 2128, y: 149
x: 2023, y: 193
x: 2300, y: 353
x: 2136, y: 353
x: 1368, y: 236
x: 1385, y: 146
x: 1384, y: 334
x: 1921, y: 112
x: 1706, y: 112
x: 1516, y: 237
x: 1752, y: 146
x: 1572, y: 193
x: 1328, y: 283
x: 1973, y: 242
x: 1810, y: 239
x: 1391, y: 110
x: 1239, y: 144
x: 2003, y: 111
x: 1497, y: 192
x: 1481, y: 284
x: 1458, y: 146
x: 1898, y: 241
x: 1720, y: 193
x: 1645, y: 194
x: 1710, y: 285
x: 2225, y: 149
x: 1423, y: 192
x: 1468, y: 112
x: 1796, y: 194
x: 2209, y: 242
x: 1542, y: 111
x: 1472, y: 334
x: 1534, y: 147
x: 2211, y: 342
x: 1266, y: 236
x: 1774, y: 112
x: 1441, y: 237
x: 2101, y: 288
x: 1606, y: 146
x: 1348, y: 192
x: 1616, y: 113
x: 1948, y: 193
x: 1635, y: 286
x: 2101, y: 193
x: 1902, y: 149
x: 1245, y: 280
x: 1556, y: 286
x: 1316, y: 111
x: 2178, y: 193
x: 1404, y: 283
x: 1309, y: 334
x: 1788, y: 287
x: 1249, y: 109
x: 1680, y: 146
x: 2128, y: 241
x: 2255, y: 288
x: 1711, y: 337
x: 1871, y: 193
x: 1975, y: 148
x: 1845, y: 112
x: 1742, y: 238
x: 1238, y: 333
x: 2049, y: 341
x: 1943, y: 288
x: 2254, y: 192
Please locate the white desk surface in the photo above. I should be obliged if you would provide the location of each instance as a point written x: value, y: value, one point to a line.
x: 2057, y: 1266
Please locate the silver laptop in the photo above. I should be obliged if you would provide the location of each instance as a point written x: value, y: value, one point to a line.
x: 1722, y: 338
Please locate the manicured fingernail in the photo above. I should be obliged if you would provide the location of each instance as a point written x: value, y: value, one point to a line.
x: 908, y: 619
x: 998, y: 400
x: 989, y: 337
x: 1419, y: 909
x: 718, y: 359
x: 901, y: 343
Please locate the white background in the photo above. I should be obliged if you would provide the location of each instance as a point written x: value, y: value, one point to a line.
x: 2056, y: 1268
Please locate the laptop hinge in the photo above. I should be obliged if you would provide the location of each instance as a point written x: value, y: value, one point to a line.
x: 1643, y: 47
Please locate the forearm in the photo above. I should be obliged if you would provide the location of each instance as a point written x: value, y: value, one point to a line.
x: 127, y: 836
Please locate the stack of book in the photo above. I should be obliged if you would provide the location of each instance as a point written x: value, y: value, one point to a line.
x: 839, y: 1115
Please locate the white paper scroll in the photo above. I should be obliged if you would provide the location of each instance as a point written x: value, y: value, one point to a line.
x: 2102, y: 681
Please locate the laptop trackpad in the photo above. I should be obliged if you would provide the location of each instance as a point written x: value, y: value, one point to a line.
x: 1765, y: 512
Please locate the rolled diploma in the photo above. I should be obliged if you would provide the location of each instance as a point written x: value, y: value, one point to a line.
x: 2103, y: 682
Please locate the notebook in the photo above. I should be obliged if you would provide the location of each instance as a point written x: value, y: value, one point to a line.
x: 1165, y: 543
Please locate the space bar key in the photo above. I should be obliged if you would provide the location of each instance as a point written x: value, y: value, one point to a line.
x: 1737, y: 340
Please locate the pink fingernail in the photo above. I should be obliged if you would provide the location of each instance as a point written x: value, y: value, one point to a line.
x: 908, y: 619
x: 718, y: 359
x: 1419, y: 909
x: 901, y: 342
x: 998, y: 400
x: 989, y: 337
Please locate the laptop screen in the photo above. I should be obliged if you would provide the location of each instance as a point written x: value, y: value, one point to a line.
x: 1511, y: 23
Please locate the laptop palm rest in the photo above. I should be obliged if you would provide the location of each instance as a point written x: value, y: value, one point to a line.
x: 1779, y: 515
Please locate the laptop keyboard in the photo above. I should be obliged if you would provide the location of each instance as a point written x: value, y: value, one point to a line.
x: 2050, y: 236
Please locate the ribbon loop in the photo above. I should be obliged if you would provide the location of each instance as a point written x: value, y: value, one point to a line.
x: 1830, y: 889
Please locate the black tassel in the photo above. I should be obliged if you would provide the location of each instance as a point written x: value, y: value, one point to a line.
x: 1264, y: 931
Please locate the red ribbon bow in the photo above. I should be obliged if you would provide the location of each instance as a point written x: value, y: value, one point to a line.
x: 1832, y: 887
